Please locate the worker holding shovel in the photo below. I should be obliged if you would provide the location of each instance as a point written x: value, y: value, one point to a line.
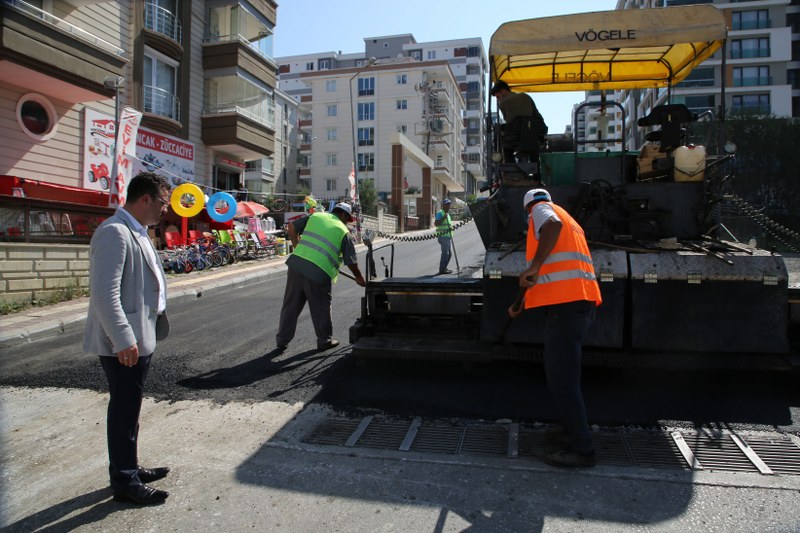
x: 560, y: 278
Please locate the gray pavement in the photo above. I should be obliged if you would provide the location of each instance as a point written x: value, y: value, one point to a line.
x: 248, y: 465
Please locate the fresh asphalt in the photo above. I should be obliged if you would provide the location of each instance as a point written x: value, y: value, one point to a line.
x: 247, y: 464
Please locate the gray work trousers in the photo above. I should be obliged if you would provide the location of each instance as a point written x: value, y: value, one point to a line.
x: 299, y: 290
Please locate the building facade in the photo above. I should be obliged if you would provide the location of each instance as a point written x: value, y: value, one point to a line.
x: 353, y: 105
x: 760, y: 67
x: 202, y: 74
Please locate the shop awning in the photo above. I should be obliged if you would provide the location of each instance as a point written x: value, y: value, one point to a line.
x: 606, y: 50
x: 42, y: 190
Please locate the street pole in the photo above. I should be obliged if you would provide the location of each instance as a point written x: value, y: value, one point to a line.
x: 357, y: 200
x: 115, y: 82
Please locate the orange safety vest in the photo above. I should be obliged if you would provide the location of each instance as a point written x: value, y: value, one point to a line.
x: 567, y: 274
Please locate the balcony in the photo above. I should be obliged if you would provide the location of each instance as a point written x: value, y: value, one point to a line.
x: 159, y: 20
x: 750, y: 53
x: 752, y: 81
x: 304, y: 124
x: 51, y: 56
x: 162, y: 110
x: 751, y: 25
x: 239, y: 55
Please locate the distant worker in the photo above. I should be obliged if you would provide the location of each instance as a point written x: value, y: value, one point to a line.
x: 524, y: 127
x: 313, y: 268
x: 241, y: 195
x: 445, y: 235
x: 560, y: 279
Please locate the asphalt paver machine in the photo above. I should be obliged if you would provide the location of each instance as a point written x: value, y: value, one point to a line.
x: 675, y: 285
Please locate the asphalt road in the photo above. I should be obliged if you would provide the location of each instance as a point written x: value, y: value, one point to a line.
x: 222, y: 349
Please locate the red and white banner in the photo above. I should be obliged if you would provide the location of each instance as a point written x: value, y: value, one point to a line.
x: 126, y: 146
x: 352, y: 179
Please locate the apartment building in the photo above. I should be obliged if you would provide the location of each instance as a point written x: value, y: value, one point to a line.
x: 202, y: 74
x: 760, y: 60
x: 352, y: 106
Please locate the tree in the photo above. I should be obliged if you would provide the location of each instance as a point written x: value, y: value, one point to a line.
x: 367, y: 196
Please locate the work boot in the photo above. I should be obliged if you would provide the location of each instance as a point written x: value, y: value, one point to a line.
x: 568, y: 458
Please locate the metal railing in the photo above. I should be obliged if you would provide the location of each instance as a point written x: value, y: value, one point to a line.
x: 752, y: 81
x: 161, y: 20
x: 161, y: 102
x: 63, y: 25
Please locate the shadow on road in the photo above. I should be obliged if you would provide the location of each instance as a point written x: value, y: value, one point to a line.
x: 91, y: 508
x: 304, y: 367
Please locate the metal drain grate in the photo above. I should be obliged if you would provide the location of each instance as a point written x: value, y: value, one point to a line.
x: 699, y: 450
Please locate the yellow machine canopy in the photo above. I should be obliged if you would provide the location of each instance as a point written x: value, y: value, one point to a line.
x: 604, y: 50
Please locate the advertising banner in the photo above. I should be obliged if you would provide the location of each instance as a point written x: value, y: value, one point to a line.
x: 126, y: 146
x: 154, y: 151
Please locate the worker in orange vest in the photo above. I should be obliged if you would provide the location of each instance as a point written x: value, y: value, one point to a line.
x: 560, y: 278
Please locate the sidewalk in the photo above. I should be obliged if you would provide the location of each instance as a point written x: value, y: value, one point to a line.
x: 42, y: 322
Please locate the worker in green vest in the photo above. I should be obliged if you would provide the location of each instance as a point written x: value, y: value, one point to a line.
x: 444, y: 227
x: 313, y: 268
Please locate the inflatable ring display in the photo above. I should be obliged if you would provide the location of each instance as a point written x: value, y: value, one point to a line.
x: 212, y: 204
x: 192, y: 190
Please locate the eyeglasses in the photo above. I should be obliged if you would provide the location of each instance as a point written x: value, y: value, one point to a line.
x: 163, y: 202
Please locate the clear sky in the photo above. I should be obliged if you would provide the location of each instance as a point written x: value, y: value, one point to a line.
x: 310, y: 26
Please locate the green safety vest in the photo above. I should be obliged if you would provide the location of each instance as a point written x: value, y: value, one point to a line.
x: 443, y: 229
x: 321, y: 242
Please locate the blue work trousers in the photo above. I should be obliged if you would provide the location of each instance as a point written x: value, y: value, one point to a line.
x: 446, y: 243
x: 565, y: 328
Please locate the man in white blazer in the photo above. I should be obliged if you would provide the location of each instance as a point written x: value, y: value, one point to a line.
x: 127, y: 303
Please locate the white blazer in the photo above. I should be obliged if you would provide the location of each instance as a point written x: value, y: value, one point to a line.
x: 123, y: 291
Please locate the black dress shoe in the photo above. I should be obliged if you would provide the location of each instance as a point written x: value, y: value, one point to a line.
x: 141, y: 495
x: 148, y: 475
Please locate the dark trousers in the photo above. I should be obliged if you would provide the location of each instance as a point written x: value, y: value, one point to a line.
x: 565, y: 328
x: 299, y: 290
x: 125, y: 387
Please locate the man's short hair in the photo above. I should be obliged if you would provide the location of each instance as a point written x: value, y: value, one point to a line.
x: 499, y: 86
x: 146, y: 183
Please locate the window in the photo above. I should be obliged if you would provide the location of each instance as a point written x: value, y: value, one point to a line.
x: 473, y: 159
x: 473, y: 51
x: 366, y: 86
x: 331, y: 184
x: 748, y: 48
x: 416, y: 55
x: 366, y: 136
x: 757, y: 103
x: 310, y: 65
x: 366, y: 162
x: 160, y: 85
x: 332, y: 110
x: 431, y: 54
x: 751, y: 76
x: 331, y: 159
x: 36, y: 116
x: 750, y: 20
x: 473, y: 86
x: 402, y: 79
x: 366, y: 111
x: 402, y: 104
x: 324, y: 64
x: 333, y: 134
x: 330, y: 86
x: 402, y: 128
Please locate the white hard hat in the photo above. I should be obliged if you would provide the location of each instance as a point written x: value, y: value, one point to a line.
x: 346, y: 208
x: 536, y: 195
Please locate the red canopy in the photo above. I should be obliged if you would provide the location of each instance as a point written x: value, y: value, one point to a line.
x: 43, y: 190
